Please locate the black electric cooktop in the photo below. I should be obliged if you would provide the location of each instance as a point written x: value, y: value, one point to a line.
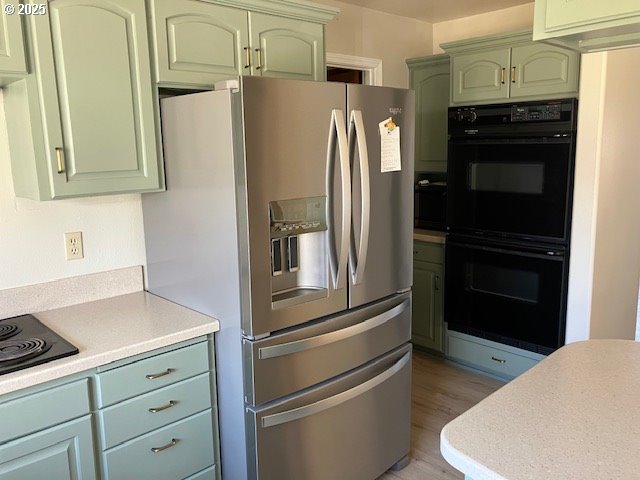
x: 25, y: 342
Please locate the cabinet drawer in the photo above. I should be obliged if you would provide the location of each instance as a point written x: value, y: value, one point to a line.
x: 155, y: 409
x: 151, y: 373
x: 175, y: 451
x: 207, y: 474
x: 488, y: 358
x: 41, y: 410
x: 428, y: 252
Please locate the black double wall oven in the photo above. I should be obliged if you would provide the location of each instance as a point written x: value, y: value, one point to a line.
x: 510, y: 185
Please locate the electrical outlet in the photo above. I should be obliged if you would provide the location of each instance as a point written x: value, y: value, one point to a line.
x: 73, y: 245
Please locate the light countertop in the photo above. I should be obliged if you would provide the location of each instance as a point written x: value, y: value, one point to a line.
x: 111, y: 329
x: 433, y: 236
x: 575, y: 415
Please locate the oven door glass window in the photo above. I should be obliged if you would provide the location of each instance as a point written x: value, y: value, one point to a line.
x: 511, y: 296
x: 518, y: 187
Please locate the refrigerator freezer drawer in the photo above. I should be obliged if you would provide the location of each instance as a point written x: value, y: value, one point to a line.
x: 283, y: 364
x: 354, y: 427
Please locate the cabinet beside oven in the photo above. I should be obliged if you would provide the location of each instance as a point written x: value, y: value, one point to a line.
x: 510, y: 67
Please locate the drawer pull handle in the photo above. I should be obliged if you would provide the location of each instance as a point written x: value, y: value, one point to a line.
x: 499, y: 360
x: 153, y: 376
x: 172, y: 443
x: 163, y: 407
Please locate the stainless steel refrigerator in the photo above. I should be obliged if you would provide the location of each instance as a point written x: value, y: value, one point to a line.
x: 288, y: 216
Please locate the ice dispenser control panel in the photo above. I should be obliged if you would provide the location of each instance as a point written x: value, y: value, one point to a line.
x: 301, y: 215
x: 290, y: 219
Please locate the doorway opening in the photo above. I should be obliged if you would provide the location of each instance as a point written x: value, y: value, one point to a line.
x: 366, y: 71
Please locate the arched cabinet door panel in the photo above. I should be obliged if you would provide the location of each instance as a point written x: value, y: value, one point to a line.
x: 480, y: 76
x: 541, y: 69
x: 199, y: 43
x: 286, y: 48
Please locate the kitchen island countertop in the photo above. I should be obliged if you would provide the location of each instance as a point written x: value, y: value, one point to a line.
x: 575, y: 415
x: 111, y: 329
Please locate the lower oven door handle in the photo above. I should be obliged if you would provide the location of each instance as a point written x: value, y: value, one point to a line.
x: 325, y: 338
x: 326, y: 403
x: 523, y: 251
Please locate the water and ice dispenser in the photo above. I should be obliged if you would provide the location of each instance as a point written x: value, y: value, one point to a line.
x: 299, y: 250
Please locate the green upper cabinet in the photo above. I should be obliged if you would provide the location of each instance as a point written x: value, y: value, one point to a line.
x: 198, y: 43
x: 540, y: 69
x: 287, y: 47
x: 84, y: 122
x: 480, y: 76
x: 429, y: 78
x: 511, y: 66
x: 12, y: 59
x: 588, y: 25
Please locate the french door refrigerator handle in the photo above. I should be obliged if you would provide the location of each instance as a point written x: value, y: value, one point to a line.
x: 338, y: 134
x: 326, y: 403
x: 331, y: 337
x: 359, y: 259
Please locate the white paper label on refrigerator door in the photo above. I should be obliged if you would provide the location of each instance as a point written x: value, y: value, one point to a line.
x: 389, y: 146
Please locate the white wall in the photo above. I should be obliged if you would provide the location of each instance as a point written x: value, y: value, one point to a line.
x: 499, y: 21
x: 363, y: 32
x: 605, y: 247
x: 31, y: 233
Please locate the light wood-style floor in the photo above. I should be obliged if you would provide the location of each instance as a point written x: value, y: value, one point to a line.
x: 441, y: 391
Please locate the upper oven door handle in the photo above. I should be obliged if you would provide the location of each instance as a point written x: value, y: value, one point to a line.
x: 550, y: 253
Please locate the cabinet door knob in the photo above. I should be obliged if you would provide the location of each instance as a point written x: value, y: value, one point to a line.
x: 247, y: 57
x: 513, y: 74
x: 502, y: 75
x: 499, y: 360
x: 436, y: 282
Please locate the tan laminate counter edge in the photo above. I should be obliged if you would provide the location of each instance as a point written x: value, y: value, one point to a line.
x: 575, y: 415
x: 432, y: 236
x: 111, y: 329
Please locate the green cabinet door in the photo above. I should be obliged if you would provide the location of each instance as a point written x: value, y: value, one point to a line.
x: 561, y: 14
x: 287, y: 48
x: 90, y: 106
x: 480, y: 76
x: 63, y: 452
x: 429, y: 77
x: 427, y: 302
x: 12, y: 59
x: 541, y: 69
x: 199, y: 43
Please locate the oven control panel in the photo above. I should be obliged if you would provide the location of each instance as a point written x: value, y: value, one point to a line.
x: 534, y: 113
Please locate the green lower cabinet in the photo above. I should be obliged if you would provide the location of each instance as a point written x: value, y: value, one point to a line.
x: 84, y: 122
x: 503, y: 361
x: 287, y: 48
x: 428, y: 295
x: 61, y: 452
x: 429, y: 78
